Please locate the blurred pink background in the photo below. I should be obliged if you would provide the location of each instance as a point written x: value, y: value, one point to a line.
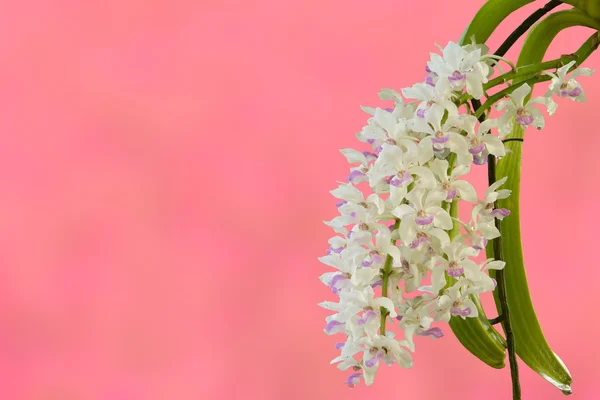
x: 165, y: 168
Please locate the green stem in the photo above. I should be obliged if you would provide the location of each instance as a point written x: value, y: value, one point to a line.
x: 533, y: 69
x: 588, y: 47
x: 505, y: 316
x: 505, y: 92
x: 501, y: 282
x: 533, y: 72
x: 387, y: 271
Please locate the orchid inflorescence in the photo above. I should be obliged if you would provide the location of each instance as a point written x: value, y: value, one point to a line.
x: 401, y: 255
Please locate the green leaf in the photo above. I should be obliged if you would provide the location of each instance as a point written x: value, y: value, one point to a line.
x: 530, y: 344
x: 590, y: 7
x: 543, y: 33
x: 487, y: 19
x: 479, y: 337
x: 476, y: 334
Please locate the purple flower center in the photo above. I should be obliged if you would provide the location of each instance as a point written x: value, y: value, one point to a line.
x: 456, y: 77
x: 340, y: 345
x: 354, y: 175
x: 370, y: 156
x: 353, y: 379
x: 451, y: 194
x: 418, y: 241
x: 524, y: 118
x: 423, y: 219
x: 479, y: 159
x: 477, y: 149
x: 569, y: 93
x: 454, y: 269
x: 371, y: 363
x: 389, y: 109
x: 464, y: 313
x: 500, y: 213
x: 421, y: 112
x: 440, y: 139
x: 366, y: 317
x: 334, y: 326
x: 370, y: 141
x: 336, y: 279
x: 340, y: 203
x: 404, y: 177
x: 366, y: 263
x: 435, y: 333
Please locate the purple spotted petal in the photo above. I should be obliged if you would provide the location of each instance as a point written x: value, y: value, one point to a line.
x: 399, y: 317
x: 377, y: 258
x: 378, y: 149
x: 389, y: 109
x: 463, y: 313
x: 340, y: 203
x: 525, y: 120
x: 500, y: 213
x: 338, y: 250
x: 435, y: 333
x: 456, y: 271
x: 406, y: 178
x: 440, y: 140
x: 354, y: 175
x: 371, y: 363
x: 424, y: 220
x: 477, y: 149
x: 376, y: 284
x: 429, y: 80
x: 419, y: 241
x: 371, y: 141
x: 570, y: 93
x: 427, y: 69
x: 354, y: 379
x: 421, y: 113
x: 336, y: 278
x: 334, y: 326
x: 479, y: 159
x: 456, y: 77
x: 451, y: 194
x: 370, y: 156
x: 340, y: 345
x: 366, y: 317
x: 366, y: 263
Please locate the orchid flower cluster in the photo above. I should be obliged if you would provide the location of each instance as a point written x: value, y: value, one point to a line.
x: 401, y: 257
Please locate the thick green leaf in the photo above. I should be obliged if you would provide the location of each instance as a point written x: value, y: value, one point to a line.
x: 590, y: 7
x: 477, y: 334
x: 530, y: 344
x: 487, y: 19
x: 479, y: 337
x: 543, y: 33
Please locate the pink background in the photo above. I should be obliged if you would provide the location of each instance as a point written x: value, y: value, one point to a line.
x: 165, y: 168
